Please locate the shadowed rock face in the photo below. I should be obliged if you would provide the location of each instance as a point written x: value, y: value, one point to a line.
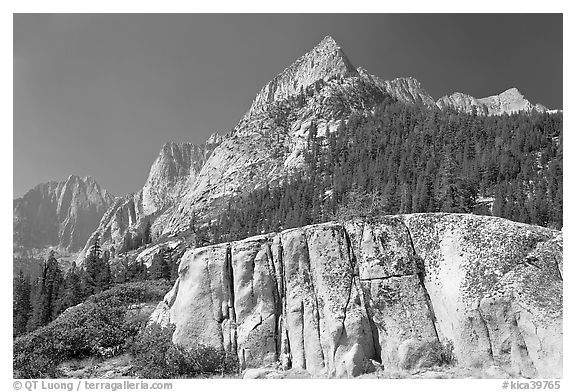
x: 403, y: 291
x: 173, y: 172
x: 59, y: 214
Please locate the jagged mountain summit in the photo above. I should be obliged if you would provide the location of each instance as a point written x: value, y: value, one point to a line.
x: 364, y: 291
x: 507, y: 102
x: 407, y: 90
x: 323, y: 62
x: 58, y: 214
x: 173, y: 172
x: 322, y: 87
x: 319, y: 91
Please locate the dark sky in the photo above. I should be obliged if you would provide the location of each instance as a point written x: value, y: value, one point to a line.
x: 100, y: 94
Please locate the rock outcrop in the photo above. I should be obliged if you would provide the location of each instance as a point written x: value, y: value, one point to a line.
x: 60, y: 214
x: 508, y: 102
x: 405, y: 291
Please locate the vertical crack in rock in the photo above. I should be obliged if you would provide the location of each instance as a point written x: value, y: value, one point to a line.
x: 277, y: 300
x: 377, y: 349
x: 367, y: 309
x: 372, y: 324
x: 347, y: 242
x: 485, y: 325
x: 282, y: 331
x: 421, y: 277
x: 302, y: 333
x: 219, y: 320
x: 253, y: 269
x: 558, y: 268
x: 231, y: 308
x: 283, y: 296
x: 527, y: 367
x: 313, y: 288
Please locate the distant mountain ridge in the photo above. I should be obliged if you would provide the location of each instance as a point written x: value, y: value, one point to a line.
x: 172, y: 173
x: 319, y: 91
x: 59, y: 214
x: 507, y: 102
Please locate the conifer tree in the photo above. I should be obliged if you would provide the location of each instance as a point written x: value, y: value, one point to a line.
x: 71, y: 293
x: 160, y: 269
x: 21, y: 305
x: 94, y: 267
x: 46, y: 298
x: 105, y: 276
x: 419, y: 161
x: 147, y: 235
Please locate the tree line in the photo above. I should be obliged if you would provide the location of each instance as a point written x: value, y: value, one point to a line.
x: 38, y: 301
x: 406, y: 159
x: 393, y: 159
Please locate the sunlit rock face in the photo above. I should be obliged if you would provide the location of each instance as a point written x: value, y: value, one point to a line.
x: 508, y: 102
x: 323, y: 62
x: 319, y: 91
x: 407, y: 90
x: 406, y: 291
x: 173, y: 172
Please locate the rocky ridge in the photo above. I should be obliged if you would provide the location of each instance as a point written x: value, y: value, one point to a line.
x: 321, y: 89
x: 401, y: 292
x: 326, y: 60
x: 173, y: 172
x: 407, y: 90
x: 507, y: 102
x: 59, y: 214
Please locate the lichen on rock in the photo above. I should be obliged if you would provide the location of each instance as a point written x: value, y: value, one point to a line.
x: 408, y: 292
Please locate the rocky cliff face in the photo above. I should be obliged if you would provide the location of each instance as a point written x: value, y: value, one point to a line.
x: 171, y: 175
x: 508, y: 102
x: 172, y: 172
x: 406, y: 291
x: 320, y: 91
x: 58, y: 214
x: 323, y: 62
x: 407, y: 90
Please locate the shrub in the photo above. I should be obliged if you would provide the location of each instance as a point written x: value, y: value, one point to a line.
x: 149, y: 349
x: 155, y: 356
x: 100, y: 326
x: 417, y: 354
x: 447, y: 353
x: 361, y: 205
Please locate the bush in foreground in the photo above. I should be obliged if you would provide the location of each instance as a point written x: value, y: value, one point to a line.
x: 98, y: 327
x: 155, y: 356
